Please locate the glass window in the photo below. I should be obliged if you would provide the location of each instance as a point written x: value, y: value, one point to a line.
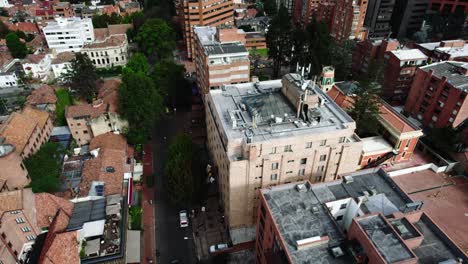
x: 274, y: 166
x: 287, y: 148
x: 323, y: 142
x: 309, y: 145
x: 303, y: 161
x: 323, y: 157
x: 274, y: 176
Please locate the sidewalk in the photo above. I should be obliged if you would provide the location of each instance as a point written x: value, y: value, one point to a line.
x: 149, y: 243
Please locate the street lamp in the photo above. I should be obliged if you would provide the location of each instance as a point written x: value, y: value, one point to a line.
x: 187, y: 238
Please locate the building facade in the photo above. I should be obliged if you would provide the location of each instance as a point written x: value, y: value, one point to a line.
x: 408, y: 17
x: 371, y: 50
x: 69, y: 34
x: 304, y: 10
x: 8, y: 79
x: 400, y: 67
x: 348, y: 20
x: 325, y: 12
x: 111, y: 52
x: 78, y: 118
x: 268, y: 133
x: 378, y: 18
x: 13, y: 174
x: 221, y: 57
x: 203, y: 13
x: 438, y: 95
x: 38, y: 66
x: 449, y: 6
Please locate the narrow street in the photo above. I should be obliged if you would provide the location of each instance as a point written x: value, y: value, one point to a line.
x: 172, y: 241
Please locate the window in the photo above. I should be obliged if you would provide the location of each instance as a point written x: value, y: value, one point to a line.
x: 303, y: 161
x: 273, y: 150
x: 290, y: 161
x: 287, y: 148
x: 318, y: 178
x: 308, y: 145
x: 9, y: 244
x: 323, y: 142
x: 19, y: 220
x: 85, y: 131
x: 301, y: 172
x: 3, y: 235
x: 274, y: 177
x: 274, y: 166
x: 289, y: 172
x: 16, y: 211
x: 407, y: 143
x: 342, y: 139
x: 403, y: 155
x: 343, y: 206
x: 320, y: 168
x: 30, y: 237
x: 323, y: 157
x: 25, y: 229
x: 339, y: 218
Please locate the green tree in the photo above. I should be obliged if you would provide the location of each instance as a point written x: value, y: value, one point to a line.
x: 181, y: 181
x: 140, y: 103
x: 169, y: 79
x: 156, y: 37
x: 366, y: 108
x: 82, y: 77
x: 270, y: 8
x: 102, y: 21
x: 279, y: 40
x: 318, y: 46
x: 444, y: 139
x: 44, y: 168
x: 17, y: 48
x: 138, y: 63
x: 341, y: 59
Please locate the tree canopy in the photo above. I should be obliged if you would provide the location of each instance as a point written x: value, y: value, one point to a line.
x: 169, y: 78
x: 366, y: 108
x: 444, y: 138
x: 17, y: 48
x: 102, y: 21
x: 270, y: 8
x: 82, y: 77
x: 138, y: 63
x: 44, y: 168
x: 279, y: 39
x: 181, y: 181
x: 156, y: 37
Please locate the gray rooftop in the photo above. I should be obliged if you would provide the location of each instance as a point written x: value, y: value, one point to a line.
x: 300, y: 215
x: 225, y: 48
x: 261, y: 111
x: 87, y: 211
x: 450, y: 70
x: 384, y: 238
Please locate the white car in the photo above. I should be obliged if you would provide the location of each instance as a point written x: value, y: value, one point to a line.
x: 218, y: 247
x: 183, y: 218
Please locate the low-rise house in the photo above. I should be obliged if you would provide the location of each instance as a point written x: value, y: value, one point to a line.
x: 26, y: 27
x: 43, y: 98
x: 108, y: 122
x: 110, y: 47
x: 38, y: 66
x: 27, y: 130
x: 13, y: 173
x: 78, y: 116
x: 61, y: 63
x: 8, y: 79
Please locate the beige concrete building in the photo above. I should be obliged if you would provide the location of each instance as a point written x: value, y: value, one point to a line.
x: 195, y: 13
x: 220, y: 57
x: 78, y: 116
x: 27, y: 130
x: 13, y: 173
x: 272, y: 132
x: 108, y: 122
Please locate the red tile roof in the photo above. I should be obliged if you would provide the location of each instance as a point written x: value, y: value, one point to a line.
x: 85, y: 110
x: 108, y: 92
x: 394, y: 120
x: 47, y: 206
x: 17, y: 130
x: 34, y: 58
x: 26, y: 27
x: 43, y: 95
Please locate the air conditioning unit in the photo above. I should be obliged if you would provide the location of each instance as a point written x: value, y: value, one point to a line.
x: 348, y: 179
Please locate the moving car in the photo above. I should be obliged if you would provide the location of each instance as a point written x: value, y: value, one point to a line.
x: 215, y: 248
x: 183, y: 218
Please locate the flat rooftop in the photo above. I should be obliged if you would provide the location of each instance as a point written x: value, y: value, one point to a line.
x: 409, y: 54
x: 384, y: 238
x: 375, y: 145
x: 262, y: 112
x: 444, y: 200
x: 207, y: 36
x: 454, y: 52
x: 300, y: 215
x: 449, y: 69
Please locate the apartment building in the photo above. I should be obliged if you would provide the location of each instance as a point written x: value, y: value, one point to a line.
x: 363, y: 218
x: 13, y: 174
x: 348, y: 20
x: 408, y: 16
x: 369, y: 50
x: 78, y: 118
x: 69, y: 34
x: 304, y: 10
x: 27, y: 130
x: 255, y: 40
x: 220, y: 57
x: 378, y: 18
x: 325, y: 11
x: 63, y: 9
x: 8, y: 79
x: 400, y: 67
x: 438, y: 95
x: 447, y: 50
x: 449, y: 6
x: 110, y: 47
x: 267, y: 133
x: 195, y: 13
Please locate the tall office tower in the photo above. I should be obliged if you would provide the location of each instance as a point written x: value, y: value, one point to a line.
x: 69, y: 34
x: 220, y: 57
x: 348, y: 20
x: 195, y: 13
x: 378, y: 18
x: 408, y: 16
x: 267, y: 133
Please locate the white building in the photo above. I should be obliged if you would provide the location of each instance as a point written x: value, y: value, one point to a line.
x: 8, y: 79
x: 38, y: 66
x: 61, y: 63
x: 69, y: 34
x: 4, y: 3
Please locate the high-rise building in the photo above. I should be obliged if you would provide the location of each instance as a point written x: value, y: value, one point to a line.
x: 195, y: 13
x: 348, y: 20
x: 272, y: 132
x: 368, y: 50
x: 438, y: 95
x: 220, y: 57
x: 304, y: 10
x: 69, y: 34
x: 400, y: 67
x: 408, y: 16
x: 325, y: 11
x: 378, y: 18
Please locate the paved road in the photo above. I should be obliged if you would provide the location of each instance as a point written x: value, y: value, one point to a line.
x: 169, y: 236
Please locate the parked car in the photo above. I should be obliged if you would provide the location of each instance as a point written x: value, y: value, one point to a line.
x: 215, y: 248
x: 183, y: 218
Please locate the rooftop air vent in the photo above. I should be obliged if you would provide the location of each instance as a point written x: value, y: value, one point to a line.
x: 348, y: 179
x: 336, y: 252
x: 110, y: 169
x: 301, y: 188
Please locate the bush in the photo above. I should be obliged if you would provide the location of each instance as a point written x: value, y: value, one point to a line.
x: 135, y: 217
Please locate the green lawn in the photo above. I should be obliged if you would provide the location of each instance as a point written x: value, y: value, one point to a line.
x: 63, y: 99
x: 262, y: 52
